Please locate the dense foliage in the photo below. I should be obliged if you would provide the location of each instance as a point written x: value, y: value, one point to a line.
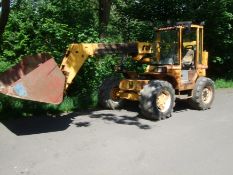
x: 50, y: 25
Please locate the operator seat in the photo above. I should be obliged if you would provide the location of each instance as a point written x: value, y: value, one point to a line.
x: 187, y: 60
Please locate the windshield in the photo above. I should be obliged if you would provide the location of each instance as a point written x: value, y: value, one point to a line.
x: 167, y: 42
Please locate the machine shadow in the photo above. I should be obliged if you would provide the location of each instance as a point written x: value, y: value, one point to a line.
x: 39, y: 124
x: 110, y: 117
x: 182, y: 106
x: 47, y: 123
x: 122, y: 120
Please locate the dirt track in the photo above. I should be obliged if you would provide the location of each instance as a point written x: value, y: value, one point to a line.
x: 119, y: 143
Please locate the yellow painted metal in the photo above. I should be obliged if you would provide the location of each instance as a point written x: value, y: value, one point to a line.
x: 163, y: 101
x: 132, y: 85
x: 75, y: 57
x: 129, y: 95
x: 198, y: 46
x: 115, y: 93
x: 191, y: 43
x: 205, y: 56
x: 180, y: 46
x: 207, y: 95
x: 201, y: 72
x: 197, y: 26
x: 77, y: 54
x: 143, y: 49
x: 144, y: 52
x: 130, y: 89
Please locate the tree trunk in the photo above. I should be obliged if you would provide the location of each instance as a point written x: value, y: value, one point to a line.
x: 104, y: 13
x: 5, y: 5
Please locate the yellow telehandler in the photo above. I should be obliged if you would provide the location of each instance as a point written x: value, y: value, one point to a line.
x: 176, y: 68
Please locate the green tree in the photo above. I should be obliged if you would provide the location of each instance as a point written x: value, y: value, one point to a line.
x: 4, y: 13
x: 51, y: 25
x: 217, y: 15
x: 104, y: 14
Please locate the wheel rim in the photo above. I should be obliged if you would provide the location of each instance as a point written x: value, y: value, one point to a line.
x: 163, y: 101
x: 207, y: 94
x: 114, y: 94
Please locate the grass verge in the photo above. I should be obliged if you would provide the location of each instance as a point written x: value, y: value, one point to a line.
x: 223, y: 83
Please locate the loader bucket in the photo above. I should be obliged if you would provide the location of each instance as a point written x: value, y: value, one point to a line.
x: 36, y: 78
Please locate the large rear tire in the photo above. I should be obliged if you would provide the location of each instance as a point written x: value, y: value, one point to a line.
x: 157, y: 100
x: 203, y: 94
x: 108, y: 94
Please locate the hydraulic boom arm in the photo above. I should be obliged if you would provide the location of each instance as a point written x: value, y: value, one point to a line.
x: 77, y: 54
x: 38, y: 77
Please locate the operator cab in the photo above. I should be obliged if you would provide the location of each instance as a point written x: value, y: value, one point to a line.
x: 178, y: 53
x: 179, y: 45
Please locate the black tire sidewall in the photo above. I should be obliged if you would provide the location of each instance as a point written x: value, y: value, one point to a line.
x: 156, y: 111
x: 104, y: 97
x: 148, y: 97
x: 196, y: 100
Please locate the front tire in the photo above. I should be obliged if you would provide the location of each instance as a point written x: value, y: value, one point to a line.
x: 157, y: 100
x: 108, y: 94
x: 203, y: 94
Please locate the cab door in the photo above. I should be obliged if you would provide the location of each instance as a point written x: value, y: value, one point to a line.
x: 189, y: 56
